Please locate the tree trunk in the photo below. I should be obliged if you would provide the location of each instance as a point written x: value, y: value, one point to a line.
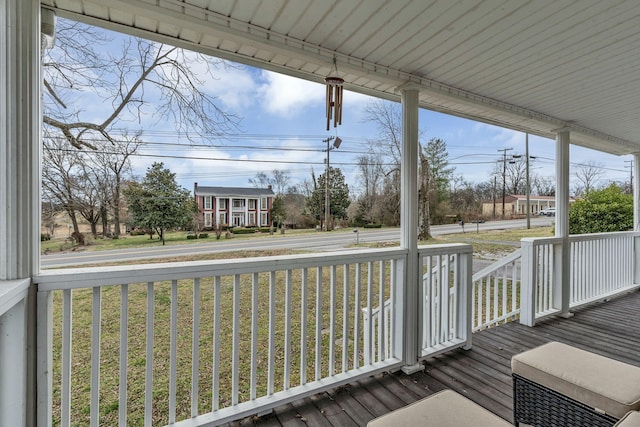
x: 74, y: 221
x: 105, y: 223
x: 162, y: 235
x: 423, y: 199
x: 116, y: 207
x: 94, y: 228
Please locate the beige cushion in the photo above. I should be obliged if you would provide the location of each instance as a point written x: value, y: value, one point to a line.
x: 632, y: 419
x: 597, y: 381
x: 444, y: 409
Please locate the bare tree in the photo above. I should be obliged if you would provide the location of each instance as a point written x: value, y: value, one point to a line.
x: 116, y: 159
x: 387, y: 148
x: 371, y: 177
x: 387, y: 117
x: 142, y: 72
x: 281, y: 180
x: 543, y: 186
x: 60, y: 169
x: 586, y: 175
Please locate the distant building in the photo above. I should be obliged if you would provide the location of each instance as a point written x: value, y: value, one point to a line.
x: 234, y: 206
x: 516, y: 204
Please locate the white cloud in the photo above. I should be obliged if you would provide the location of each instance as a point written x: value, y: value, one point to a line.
x: 288, y: 96
x: 234, y: 85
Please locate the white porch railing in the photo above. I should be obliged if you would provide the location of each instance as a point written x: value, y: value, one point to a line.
x: 496, y: 292
x: 446, y: 297
x: 601, y: 265
x: 207, y: 342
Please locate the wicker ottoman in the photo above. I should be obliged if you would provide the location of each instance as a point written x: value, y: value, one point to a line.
x: 632, y: 419
x: 559, y: 385
x: 444, y: 409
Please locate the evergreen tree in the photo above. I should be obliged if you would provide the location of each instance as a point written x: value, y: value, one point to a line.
x: 440, y: 174
x: 278, y: 212
x: 158, y: 202
x: 338, y: 196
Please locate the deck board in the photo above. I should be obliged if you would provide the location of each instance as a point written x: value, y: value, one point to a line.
x: 483, y: 374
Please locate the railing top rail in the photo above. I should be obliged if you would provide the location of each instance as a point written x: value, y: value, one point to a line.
x: 603, y: 236
x: 12, y: 292
x: 103, y: 276
x: 536, y: 241
x: 513, y: 256
x: 444, y: 249
x: 578, y: 237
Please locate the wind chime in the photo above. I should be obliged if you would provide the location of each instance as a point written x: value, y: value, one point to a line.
x: 334, y: 96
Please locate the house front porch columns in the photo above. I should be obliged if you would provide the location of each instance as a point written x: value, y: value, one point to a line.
x: 409, y: 224
x: 19, y: 206
x: 636, y: 193
x: 562, y: 253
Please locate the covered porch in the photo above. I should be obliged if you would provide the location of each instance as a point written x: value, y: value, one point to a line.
x: 331, y: 320
x: 483, y: 374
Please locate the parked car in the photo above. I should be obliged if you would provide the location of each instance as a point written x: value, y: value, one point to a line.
x: 548, y: 212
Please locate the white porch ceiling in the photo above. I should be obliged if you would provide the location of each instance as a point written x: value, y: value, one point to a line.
x: 530, y: 65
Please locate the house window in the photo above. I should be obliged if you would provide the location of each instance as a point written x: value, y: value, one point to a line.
x: 252, y: 218
x: 207, y: 219
x: 207, y: 202
x: 264, y: 219
x: 263, y: 204
x: 223, y: 219
x: 238, y: 203
x: 223, y: 204
x: 252, y: 204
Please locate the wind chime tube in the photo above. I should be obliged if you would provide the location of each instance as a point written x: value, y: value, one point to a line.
x: 339, y: 112
x: 329, y: 104
x: 334, y: 100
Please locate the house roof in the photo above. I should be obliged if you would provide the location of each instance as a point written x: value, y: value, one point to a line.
x: 531, y: 65
x: 232, y: 191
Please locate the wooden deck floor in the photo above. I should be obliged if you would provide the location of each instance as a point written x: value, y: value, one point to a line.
x: 483, y: 374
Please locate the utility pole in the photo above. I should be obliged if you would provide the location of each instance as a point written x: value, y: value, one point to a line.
x: 494, y: 197
x: 630, y: 166
x: 327, y: 203
x: 528, y: 181
x: 504, y: 176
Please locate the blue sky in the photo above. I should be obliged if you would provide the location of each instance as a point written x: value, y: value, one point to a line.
x: 283, y: 127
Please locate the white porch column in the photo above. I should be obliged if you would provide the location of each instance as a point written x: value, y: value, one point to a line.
x: 409, y: 224
x: 636, y: 218
x: 562, y: 262
x: 636, y: 193
x: 19, y: 202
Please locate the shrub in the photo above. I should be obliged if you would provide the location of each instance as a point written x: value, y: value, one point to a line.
x: 192, y: 236
x: 203, y: 235
x: 264, y: 229
x: 373, y: 226
x: 44, y: 237
x: 137, y: 232
x: 602, y: 211
x: 240, y: 230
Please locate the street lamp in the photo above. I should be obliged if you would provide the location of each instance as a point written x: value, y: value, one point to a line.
x: 327, y: 204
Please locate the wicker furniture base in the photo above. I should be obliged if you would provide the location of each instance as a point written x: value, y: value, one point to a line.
x: 540, y: 406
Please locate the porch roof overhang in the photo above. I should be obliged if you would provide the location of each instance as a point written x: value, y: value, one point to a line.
x: 534, y: 66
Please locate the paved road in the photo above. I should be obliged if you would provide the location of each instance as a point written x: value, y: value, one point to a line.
x: 320, y: 241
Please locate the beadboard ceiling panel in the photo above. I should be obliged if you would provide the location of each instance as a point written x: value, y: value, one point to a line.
x: 530, y: 65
